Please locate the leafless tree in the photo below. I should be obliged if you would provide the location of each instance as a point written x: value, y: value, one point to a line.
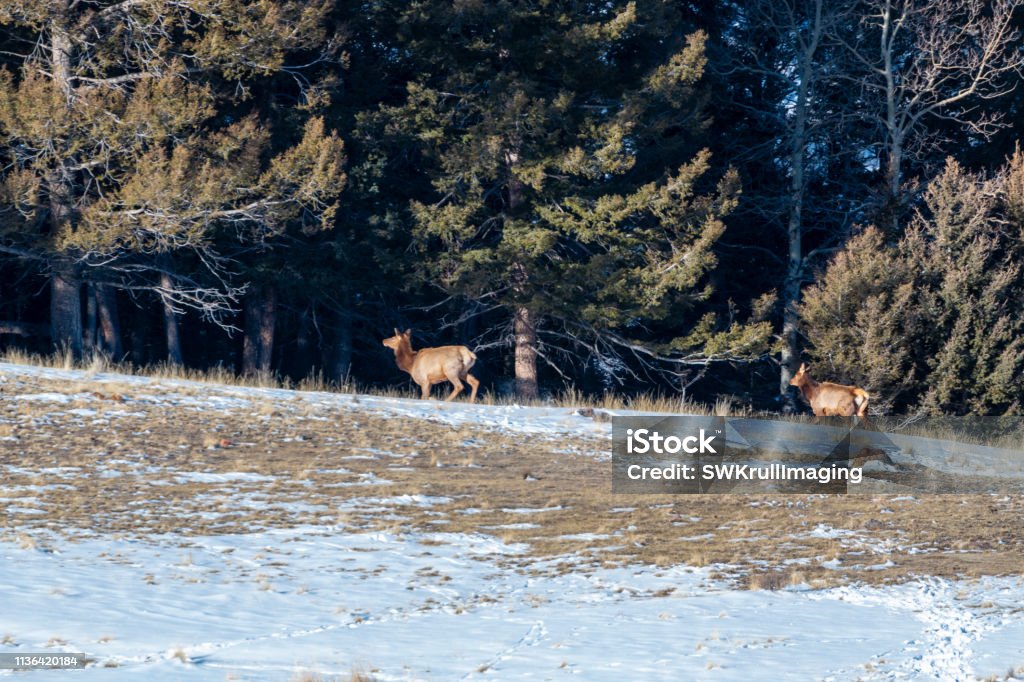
x: 921, y: 61
x: 796, y: 65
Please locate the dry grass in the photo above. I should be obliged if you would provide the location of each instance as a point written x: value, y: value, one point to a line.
x: 357, y: 675
x: 329, y: 459
x: 775, y: 579
x: 98, y: 363
x: 1011, y: 436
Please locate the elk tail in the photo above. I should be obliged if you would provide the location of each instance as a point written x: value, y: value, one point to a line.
x: 468, y: 357
x: 860, y: 399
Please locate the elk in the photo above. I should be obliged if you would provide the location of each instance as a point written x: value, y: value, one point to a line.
x: 831, y: 400
x: 429, y: 366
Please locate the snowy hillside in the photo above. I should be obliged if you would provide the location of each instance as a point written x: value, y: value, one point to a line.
x: 172, y: 530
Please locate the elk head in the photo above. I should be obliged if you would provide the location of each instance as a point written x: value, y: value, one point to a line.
x: 395, y: 342
x: 801, y: 377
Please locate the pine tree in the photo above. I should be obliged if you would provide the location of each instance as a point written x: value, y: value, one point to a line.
x: 859, y: 318
x: 544, y: 136
x: 933, y: 322
x: 121, y: 149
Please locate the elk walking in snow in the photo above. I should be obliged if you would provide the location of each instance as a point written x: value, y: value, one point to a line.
x: 429, y: 366
x: 831, y: 400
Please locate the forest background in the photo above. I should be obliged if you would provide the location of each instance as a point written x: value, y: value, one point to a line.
x: 614, y: 197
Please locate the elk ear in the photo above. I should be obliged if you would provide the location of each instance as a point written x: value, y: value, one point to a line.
x: 408, y: 332
x: 803, y: 368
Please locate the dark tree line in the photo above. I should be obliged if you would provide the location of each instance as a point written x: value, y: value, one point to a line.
x: 624, y: 196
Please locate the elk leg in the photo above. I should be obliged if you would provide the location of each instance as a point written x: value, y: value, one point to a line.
x: 425, y: 388
x: 474, y: 384
x: 457, y: 388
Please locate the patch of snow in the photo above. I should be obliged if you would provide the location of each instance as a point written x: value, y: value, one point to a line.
x: 227, y: 477
x: 823, y: 530
x: 61, y: 398
x: 584, y: 536
x: 268, y: 604
x: 365, y: 479
x: 265, y: 606
x: 82, y: 412
x: 512, y: 526
x: 531, y: 510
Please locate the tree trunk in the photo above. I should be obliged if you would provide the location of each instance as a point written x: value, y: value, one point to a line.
x: 791, y: 300
x: 794, y: 227
x: 894, y: 170
x: 172, y: 332
x: 302, y: 363
x: 525, y: 330
x: 139, y: 344
x: 341, y: 366
x: 268, y: 324
x: 60, y: 49
x: 260, y: 321
x: 524, y: 324
x: 65, y: 286
x: 66, y: 311
x: 894, y: 165
x: 91, y: 325
x: 469, y: 329
x: 251, y: 343
x: 110, y: 327
x: 790, y: 331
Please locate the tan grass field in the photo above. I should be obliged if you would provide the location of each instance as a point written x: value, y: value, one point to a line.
x: 122, y: 459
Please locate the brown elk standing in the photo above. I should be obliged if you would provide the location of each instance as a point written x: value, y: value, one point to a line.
x: 831, y: 400
x: 429, y: 366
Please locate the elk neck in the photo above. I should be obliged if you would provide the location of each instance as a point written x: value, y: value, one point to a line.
x: 404, y: 356
x: 809, y: 388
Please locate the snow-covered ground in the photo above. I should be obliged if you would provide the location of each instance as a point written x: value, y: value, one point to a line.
x: 331, y: 599
x: 265, y: 606
x: 514, y: 418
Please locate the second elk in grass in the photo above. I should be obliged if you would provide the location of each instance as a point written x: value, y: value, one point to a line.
x: 429, y: 366
x: 831, y: 400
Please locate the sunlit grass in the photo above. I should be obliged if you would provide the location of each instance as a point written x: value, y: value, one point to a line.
x: 97, y: 363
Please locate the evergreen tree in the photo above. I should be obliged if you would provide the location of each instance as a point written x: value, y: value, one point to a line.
x: 544, y: 134
x: 117, y: 153
x: 933, y: 322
